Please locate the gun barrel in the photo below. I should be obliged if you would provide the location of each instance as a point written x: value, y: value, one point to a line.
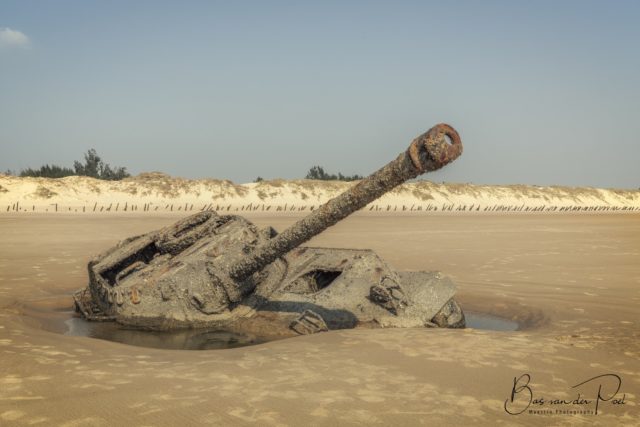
x: 428, y: 152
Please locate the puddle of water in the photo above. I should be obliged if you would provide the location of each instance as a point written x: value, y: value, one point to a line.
x: 185, y: 339
x: 488, y: 322
x: 206, y: 339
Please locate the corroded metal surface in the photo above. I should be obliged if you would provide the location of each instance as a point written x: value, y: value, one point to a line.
x: 221, y: 271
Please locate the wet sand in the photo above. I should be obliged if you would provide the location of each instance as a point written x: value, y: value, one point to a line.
x: 571, y: 281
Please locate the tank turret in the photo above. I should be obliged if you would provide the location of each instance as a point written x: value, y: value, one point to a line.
x: 221, y: 271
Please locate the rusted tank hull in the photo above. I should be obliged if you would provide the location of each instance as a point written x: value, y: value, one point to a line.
x: 223, y: 272
x: 162, y: 281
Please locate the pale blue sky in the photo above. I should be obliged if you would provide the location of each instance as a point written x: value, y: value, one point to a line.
x: 541, y: 92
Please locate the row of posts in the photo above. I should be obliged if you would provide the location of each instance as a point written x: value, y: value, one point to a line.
x: 187, y: 207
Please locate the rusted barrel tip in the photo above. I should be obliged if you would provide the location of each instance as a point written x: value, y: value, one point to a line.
x: 431, y: 150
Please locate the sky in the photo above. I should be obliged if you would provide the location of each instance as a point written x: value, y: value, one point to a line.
x: 542, y: 93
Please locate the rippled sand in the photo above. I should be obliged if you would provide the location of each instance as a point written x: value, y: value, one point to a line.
x: 571, y: 281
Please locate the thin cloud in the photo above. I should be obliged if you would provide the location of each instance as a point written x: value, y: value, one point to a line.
x: 13, y: 38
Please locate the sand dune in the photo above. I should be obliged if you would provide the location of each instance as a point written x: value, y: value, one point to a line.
x: 159, y: 192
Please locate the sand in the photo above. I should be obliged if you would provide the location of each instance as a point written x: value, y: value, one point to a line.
x: 571, y: 281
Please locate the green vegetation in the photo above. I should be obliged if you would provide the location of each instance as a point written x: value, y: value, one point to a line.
x: 47, y: 171
x: 317, y: 172
x: 93, y: 167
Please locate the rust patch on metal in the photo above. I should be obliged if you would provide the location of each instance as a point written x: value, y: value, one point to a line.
x: 135, y: 296
x: 431, y: 151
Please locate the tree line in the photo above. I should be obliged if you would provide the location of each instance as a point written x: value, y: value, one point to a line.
x: 93, y: 166
x: 317, y: 172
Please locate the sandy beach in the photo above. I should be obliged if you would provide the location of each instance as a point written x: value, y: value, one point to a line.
x: 572, y: 282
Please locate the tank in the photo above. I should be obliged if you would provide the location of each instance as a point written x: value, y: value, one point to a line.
x: 224, y: 273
